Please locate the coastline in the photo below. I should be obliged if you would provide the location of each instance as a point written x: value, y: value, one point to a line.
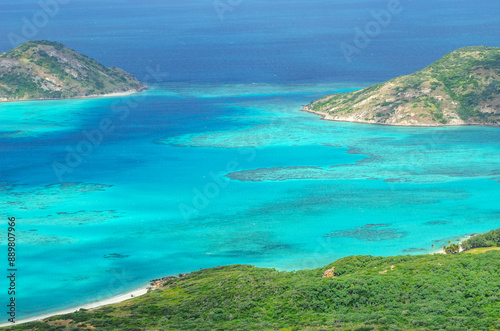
x: 458, y: 242
x: 144, y: 289
x: 92, y: 305
x: 92, y: 96
x: 325, y: 117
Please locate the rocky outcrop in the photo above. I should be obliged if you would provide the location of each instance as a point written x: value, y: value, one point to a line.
x: 159, y: 283
x: 329, y: 273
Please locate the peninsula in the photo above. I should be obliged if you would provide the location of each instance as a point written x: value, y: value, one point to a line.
x: 41, y: 70
x: 462, y: 88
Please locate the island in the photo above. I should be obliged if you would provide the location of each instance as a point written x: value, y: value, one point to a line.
x: 461, y: 88
x: 44, y: 70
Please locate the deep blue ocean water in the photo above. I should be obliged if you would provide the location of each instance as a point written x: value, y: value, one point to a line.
x: 215, y: 164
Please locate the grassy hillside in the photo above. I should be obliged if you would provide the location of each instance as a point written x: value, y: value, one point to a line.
x: 48, y: 70
x: 461, y: 88
x: 429, y: 292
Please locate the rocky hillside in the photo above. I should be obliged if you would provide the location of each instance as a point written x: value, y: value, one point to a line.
x: 48, y: 70
x: 461, y: 88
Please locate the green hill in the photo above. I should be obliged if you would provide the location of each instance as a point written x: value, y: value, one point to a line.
x: 48, y: 70
x: 426, y: 292
x: 461, y: 88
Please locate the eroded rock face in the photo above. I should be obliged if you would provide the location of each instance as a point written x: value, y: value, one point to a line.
x: 8, y: 63
x: 461, y: 88
x: 48, y: 70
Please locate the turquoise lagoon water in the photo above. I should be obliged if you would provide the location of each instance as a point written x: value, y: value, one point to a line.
x: 196, y: 177
x: 215, y: 164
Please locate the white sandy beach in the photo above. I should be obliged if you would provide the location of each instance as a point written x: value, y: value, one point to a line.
x: 92, y: 96
x: 459, y: 242
x: 96, y: 304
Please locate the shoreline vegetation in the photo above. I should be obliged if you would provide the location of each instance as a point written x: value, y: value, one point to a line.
x: 484, y: 240
x: 355, y: 269
x: 92, y: 305
x: 152, y: 285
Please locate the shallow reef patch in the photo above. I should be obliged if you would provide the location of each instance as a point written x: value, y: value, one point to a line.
x: 370, y: 232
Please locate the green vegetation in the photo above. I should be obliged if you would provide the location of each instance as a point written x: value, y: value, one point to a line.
x: 452, y: 249
x: 489, y: 239
x: 23, y: 85
x: 463, y: 87
x: 425, y: 292
x: 319, y: 105
x: 482, y: 250
x: 48, y: 70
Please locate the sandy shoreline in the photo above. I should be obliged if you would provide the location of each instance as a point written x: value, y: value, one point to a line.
x: 93, y: 96
x: 327, y: 117
x: 459, y: 243
x: 96, y: 304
